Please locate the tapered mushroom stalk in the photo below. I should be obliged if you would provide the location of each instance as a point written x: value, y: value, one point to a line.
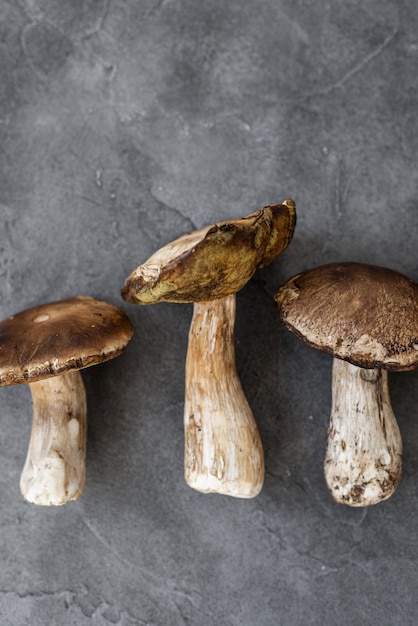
x: 223, y: 451
x: 208, y: 267
x: 54, y: 471
x: 367, y: 318
x: 363, y: 460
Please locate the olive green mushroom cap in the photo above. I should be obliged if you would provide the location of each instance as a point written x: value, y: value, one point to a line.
x: 363, y: 314
x: 214, y: 261
x: 57, y: 337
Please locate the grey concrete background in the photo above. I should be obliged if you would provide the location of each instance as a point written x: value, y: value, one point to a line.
x: 122, y: 125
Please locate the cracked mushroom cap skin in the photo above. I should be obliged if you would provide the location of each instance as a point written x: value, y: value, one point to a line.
x: 364, y: 314
x: 58, y: 337
x: 215, y: 261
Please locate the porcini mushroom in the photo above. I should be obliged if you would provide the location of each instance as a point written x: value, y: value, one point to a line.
x: 45, y: 346
x: 223, y: 451
x: 367, y: 318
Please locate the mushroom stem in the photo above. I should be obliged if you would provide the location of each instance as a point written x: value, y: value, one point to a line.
x: 223, y: 451
x: 54, y: 471
x: 363, y: 461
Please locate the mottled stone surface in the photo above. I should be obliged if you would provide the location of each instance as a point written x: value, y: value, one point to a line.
x: 123, y: 125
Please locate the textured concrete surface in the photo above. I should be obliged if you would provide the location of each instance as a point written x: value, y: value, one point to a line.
x: 122, y: 125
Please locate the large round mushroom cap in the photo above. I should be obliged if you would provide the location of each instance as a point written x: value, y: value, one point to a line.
x: 57, y: 337
x: 215, y: 261
x: 364, y: 314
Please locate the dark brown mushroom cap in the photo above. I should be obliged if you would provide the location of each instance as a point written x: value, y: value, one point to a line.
x: 215, y: 261
x: 53, y: 338
x: 363, y: 314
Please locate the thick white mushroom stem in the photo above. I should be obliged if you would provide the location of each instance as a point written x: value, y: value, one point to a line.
x: 223, y: 451
x: 363, y: 461
x: 54, y: 471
